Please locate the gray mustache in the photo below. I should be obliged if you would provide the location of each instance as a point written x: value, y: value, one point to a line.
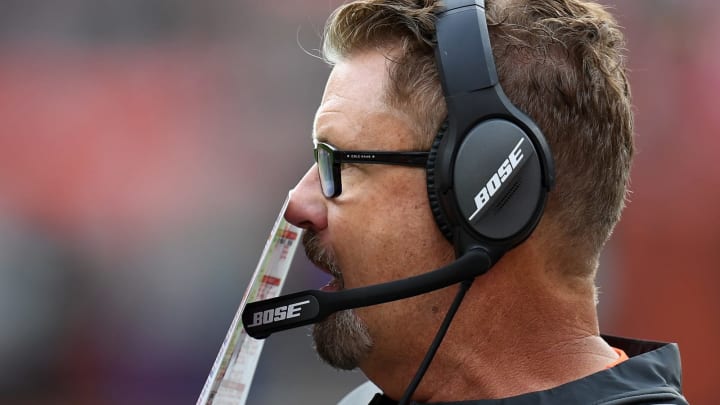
x: 320, y: 255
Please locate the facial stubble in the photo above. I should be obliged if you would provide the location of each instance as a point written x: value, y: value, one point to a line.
x: 342, y: 340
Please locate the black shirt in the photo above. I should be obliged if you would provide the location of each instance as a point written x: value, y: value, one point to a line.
x: 651, y: 376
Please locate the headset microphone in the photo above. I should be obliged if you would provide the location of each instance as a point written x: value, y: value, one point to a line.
x: 265, y: 317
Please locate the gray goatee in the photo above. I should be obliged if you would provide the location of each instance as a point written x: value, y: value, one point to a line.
x: 342, y: 340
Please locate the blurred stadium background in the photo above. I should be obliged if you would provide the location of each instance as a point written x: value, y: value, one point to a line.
x: 147, y: 146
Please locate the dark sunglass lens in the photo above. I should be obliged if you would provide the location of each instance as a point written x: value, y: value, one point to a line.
x: 325, y: 169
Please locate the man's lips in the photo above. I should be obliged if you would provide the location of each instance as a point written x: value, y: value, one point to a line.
x: 334, y: 283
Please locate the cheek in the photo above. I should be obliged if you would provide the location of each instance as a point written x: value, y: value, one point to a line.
x: 386, y: 236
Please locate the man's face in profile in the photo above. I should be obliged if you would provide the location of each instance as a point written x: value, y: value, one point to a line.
x: 380, y: 228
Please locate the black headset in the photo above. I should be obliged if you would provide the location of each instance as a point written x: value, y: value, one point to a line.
x: 490, y: 167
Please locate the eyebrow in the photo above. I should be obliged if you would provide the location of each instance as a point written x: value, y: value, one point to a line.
x: 323, y: 139
x: 315, y: 137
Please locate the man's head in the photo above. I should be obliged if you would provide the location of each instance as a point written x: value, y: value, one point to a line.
x: 558, y: 61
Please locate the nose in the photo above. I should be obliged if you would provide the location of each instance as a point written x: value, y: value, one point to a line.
x: 306, y: 208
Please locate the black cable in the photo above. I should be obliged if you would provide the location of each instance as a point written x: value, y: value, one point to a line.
x: 464, y: 286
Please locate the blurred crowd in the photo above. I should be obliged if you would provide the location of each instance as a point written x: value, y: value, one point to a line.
x: 147, y: 146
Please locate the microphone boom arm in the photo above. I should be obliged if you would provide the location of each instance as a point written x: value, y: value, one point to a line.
x: 262, y: 318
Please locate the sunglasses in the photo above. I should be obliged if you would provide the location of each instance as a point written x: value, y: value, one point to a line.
x: 329, y: 159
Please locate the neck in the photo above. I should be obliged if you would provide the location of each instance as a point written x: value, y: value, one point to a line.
x: 520, y: 329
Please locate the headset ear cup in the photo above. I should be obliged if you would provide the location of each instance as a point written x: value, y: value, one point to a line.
x: 438, y: 213
x: 497, y: 182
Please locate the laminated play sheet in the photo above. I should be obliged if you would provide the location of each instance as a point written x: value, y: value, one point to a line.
x: 231, y: 374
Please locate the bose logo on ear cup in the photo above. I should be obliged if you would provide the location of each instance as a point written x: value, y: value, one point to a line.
x: 491, y: 167
x: 498, y: 178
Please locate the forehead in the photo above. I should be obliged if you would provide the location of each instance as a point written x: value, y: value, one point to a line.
x: 353, y: 112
